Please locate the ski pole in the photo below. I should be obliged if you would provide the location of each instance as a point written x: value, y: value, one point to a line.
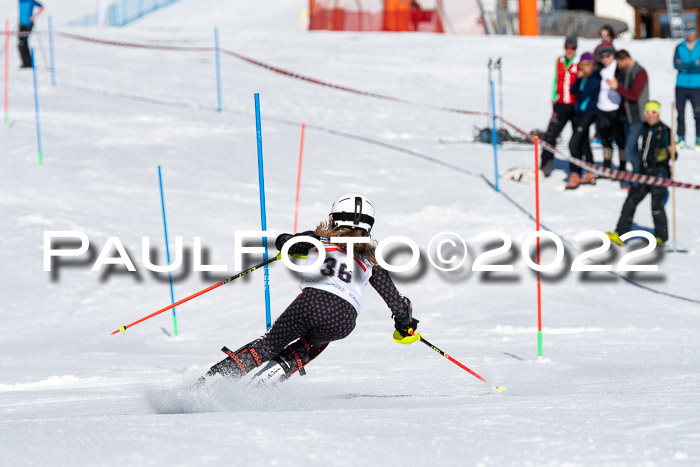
x: 673, y: 189
x: 472, y: 372
x: 500, y: 89
x: 488, y: 96
x: 225, y: 281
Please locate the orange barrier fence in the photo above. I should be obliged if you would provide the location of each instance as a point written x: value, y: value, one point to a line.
x: 339, y: 19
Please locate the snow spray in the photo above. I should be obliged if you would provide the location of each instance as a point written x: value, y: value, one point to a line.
x: 36, y: 110
x: 218, y: 70
x: 301, y: 153
x: 167, y: 249
x: 263, y: 216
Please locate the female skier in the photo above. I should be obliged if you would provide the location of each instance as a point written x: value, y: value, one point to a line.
x: 329, y: 302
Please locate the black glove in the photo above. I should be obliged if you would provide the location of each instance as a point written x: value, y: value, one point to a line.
x: 403, y: 331
x: 283, y: 238
x: 406, y: 321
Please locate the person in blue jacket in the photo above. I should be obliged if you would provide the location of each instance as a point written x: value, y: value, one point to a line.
x: 587, y: 88
x: 687, y: 61
x: 26, y: 23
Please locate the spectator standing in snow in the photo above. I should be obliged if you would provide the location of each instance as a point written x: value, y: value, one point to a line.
x: 587, y: 89
x: 26, y: 23
x: 634, y: 89
x: 657, y: 150
x: 687, y: 61
x: 562, y: 100
x: 609, y: 119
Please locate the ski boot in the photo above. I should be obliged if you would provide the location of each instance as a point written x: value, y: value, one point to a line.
x: 275, y: 372
x: 615, y: 238
x: 236, y: 365
x: 293, y: 358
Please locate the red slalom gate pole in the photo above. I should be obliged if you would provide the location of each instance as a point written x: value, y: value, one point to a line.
x: 225, y: 281
x: 301, y: 153
x: 537, y: 223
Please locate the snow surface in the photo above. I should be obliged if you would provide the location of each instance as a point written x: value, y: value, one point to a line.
x: 619, y: 380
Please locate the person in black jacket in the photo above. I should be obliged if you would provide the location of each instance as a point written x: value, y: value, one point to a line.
x: 329, y: 303
x: 657, y: 150
x: 587, y: 88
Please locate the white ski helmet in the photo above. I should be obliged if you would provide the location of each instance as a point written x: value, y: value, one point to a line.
x: 352, y: 210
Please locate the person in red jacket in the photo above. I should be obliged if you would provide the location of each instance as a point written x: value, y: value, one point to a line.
x: 562, y: 100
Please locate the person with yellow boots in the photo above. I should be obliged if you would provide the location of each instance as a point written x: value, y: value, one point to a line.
x: 657, y: 150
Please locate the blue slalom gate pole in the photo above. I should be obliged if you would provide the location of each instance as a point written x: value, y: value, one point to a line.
x: 36, y: 111
x: 167, y: 249
x: 494, y: 136
x: 218, y: 71
x: 263, y: 216
x: 53, y: 66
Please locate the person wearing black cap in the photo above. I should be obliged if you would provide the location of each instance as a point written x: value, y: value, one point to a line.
x: 607, y: 34
x: 562, y: 100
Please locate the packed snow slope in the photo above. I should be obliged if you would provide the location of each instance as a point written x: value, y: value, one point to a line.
x: 619, y: 380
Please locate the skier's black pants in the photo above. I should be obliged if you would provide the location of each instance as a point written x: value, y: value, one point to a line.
x: 682, y: 95
x: 561, y: 115
x: 611, y: 128
x: 23, y: 45
x: 580, y: 145
x: 635, y: 196
x: 301, y: 332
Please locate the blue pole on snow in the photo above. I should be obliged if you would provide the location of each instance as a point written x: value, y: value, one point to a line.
x: 218, y: 70
x: 53, y: 64
x: 36, y: 111
x: 167, y: 249
x: 263, y: 217
x: 494, y: 136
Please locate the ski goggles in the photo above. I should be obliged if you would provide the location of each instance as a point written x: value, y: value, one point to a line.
x: 690, y: 31
x: 569, y: 47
